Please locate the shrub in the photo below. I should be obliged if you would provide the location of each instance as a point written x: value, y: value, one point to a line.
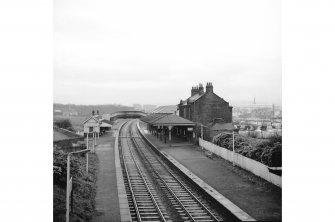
x: 83, y: 189
x: 64, y: 123
x: 266, y: 151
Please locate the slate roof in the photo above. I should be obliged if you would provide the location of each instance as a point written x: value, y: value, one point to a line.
x: 106, y: 121
x: 173, y: 119
x: 91, y: 117
x: 165, y: 109
x: 166, y: 119
x: 192, y: 99
x: 222, y: 126
x: 153, y: 117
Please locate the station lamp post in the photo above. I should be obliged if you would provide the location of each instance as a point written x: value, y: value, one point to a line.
x: 170, y: 127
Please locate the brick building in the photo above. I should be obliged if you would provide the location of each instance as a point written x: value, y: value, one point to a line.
x: 205, y: 107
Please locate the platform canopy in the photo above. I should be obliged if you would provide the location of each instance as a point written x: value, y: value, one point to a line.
x: 160, y: 119
x: 153, y: 117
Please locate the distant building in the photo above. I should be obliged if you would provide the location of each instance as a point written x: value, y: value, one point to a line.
x: 58, y: 112
x: 92, y: 124
x: 97, y: 124
x: 73, y: 113
x: 204, y: 107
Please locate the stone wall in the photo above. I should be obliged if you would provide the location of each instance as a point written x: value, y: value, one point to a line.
x: 209, y: 107
x: 66, y: 145
x: 66, y: 132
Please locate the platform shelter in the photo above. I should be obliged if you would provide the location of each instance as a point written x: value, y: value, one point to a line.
x: 163, y: 124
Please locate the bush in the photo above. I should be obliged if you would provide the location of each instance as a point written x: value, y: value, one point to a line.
x: 64, y: 123
x: 266, y: 151
x: 83, y: 189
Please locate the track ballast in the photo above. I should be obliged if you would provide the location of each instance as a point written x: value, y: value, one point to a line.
x: 155, y: 191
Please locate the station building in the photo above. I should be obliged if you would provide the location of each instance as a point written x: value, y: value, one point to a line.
x: 167, y: 125
x: 97, y: 124
x: 208, y: 109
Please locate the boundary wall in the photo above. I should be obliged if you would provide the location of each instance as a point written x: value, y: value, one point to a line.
x: 246, y: 163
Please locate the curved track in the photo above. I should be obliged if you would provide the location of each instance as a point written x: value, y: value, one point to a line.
x: 149, y: 180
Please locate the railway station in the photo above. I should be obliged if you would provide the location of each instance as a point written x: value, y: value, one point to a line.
x: 163, y: 166
x: 139, y: 147
x: 164, y: 147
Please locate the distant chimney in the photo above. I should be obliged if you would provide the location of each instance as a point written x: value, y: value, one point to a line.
x: 97, y: 112
x: 201, y: 89
x: 93, y: 112
x: 196, y: 90
x: 209, y: 87
x: 192, y: 91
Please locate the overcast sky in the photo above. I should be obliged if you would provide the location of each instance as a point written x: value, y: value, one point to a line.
x: 153, y: 52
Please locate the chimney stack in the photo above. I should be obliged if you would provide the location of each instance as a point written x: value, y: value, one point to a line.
x: 97, y: 112
x: 196, y: 90
x: 192, y: 91
x: 201, y: 89
x: 93, y: 112
x: 209, y: 87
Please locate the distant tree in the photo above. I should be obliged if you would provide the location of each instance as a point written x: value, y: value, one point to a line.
x: 64, y: 123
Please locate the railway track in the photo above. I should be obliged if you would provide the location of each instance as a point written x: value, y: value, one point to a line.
x: 155, y: 191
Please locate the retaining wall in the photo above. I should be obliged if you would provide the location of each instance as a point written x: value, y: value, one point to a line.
x: 246, y: 163
x: 66, y: 145
x: 66, y: 132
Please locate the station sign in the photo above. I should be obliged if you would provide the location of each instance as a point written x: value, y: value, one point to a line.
x: 189, y: 129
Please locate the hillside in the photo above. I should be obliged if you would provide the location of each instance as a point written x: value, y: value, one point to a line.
x: 86, y: 110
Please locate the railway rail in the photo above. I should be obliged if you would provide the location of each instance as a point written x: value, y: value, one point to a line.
x: 155, y: 191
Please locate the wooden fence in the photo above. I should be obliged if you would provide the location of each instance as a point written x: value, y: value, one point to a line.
x: 246, y: 163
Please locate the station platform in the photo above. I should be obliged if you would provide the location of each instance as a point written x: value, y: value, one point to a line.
x: 107, y: 201
x: 255, y: 196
